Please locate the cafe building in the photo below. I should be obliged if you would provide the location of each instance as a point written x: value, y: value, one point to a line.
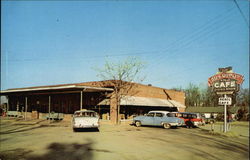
x: 36, y: 102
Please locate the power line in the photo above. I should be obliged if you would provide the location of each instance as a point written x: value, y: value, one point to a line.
x: 243, y: 16
x: 201, y: 32
x: 178, y: 74
x: 200, y: 35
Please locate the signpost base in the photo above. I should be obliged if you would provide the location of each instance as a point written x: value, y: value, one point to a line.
x: 225, y: 117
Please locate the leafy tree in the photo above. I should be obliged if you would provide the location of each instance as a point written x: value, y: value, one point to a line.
x: 209, y: 98
x: 242, y: 99
x: 121, y: 75
x: 197, y: 96
x: 193, y: 96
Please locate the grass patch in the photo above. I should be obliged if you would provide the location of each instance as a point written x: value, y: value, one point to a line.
x: 220, y: 133
x: 236, y: 123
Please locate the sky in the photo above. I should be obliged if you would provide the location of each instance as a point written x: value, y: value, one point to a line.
x: 180, y: 42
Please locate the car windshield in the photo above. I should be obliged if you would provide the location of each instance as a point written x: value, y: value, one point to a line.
x: 158, y: 115
x: 184, y: 116
x: 177, y: 114
x: 150, y: 114
x: 85, y: 114
x: 171, y: 115
x: 194, y: 116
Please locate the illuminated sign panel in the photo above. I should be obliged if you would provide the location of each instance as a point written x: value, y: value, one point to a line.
x: 225, y: 81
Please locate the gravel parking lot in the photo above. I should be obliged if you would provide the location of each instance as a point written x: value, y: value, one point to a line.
x: 38, y: 140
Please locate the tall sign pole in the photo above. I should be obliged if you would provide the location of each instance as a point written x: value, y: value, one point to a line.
x: 225, y: 82
x: 225, y: 115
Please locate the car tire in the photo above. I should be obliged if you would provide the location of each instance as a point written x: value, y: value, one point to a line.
x: 189, y: 124
x: 138, y: 124
x: 166, y: 125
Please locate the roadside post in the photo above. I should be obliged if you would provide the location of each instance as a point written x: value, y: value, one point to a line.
x: 225, y: 83
x: 212, y: 127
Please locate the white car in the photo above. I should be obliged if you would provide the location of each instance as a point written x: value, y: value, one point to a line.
x: 85, y: 119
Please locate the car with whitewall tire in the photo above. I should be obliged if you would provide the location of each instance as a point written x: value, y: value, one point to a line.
x: 158, y: 118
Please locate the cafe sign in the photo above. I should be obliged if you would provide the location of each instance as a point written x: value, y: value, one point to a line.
x: 225, y: 81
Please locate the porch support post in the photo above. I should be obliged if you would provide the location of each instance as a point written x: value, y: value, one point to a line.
x: 8, y: 104
x: 81, y: 101
x: 17, y: 106
x: 49, y: 107
x: 26, y: 107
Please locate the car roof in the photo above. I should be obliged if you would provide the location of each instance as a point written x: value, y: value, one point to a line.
x: 184, y: 112
x: 159, y: 112
x: 84, y: 111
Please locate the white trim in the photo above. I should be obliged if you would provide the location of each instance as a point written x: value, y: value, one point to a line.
x: 96, y: 88
x: 54, y: 88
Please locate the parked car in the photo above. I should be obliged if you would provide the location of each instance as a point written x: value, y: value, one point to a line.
x: 200, y: 119
x: 85, y: 119
x: 158, y: 118
x: 54, y: 116
x: 190, y: 119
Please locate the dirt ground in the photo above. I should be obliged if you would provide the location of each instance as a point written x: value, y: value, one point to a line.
x: 39, y: 140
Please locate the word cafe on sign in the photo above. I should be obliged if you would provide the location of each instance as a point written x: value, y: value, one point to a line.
x: 225, y: 82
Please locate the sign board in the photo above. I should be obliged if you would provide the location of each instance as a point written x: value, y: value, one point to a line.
x: 225, y: 81
x: 225, y: 100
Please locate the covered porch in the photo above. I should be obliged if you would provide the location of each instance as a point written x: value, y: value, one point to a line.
x: 36, y: 102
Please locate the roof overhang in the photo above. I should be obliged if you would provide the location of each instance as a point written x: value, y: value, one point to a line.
x: 145, y: 101
x: 83, y: 88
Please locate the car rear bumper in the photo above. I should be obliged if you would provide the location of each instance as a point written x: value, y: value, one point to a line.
x: 198, y: 124
x: 176, y: 124
x: 85, y: 126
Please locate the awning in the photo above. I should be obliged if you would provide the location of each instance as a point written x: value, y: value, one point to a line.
x: 145, y: 101
x: 85, y: 88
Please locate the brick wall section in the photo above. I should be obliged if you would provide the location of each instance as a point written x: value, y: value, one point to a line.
x: 141, y: 90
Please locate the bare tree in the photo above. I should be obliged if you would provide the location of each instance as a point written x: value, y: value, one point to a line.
x: 121, y: 76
